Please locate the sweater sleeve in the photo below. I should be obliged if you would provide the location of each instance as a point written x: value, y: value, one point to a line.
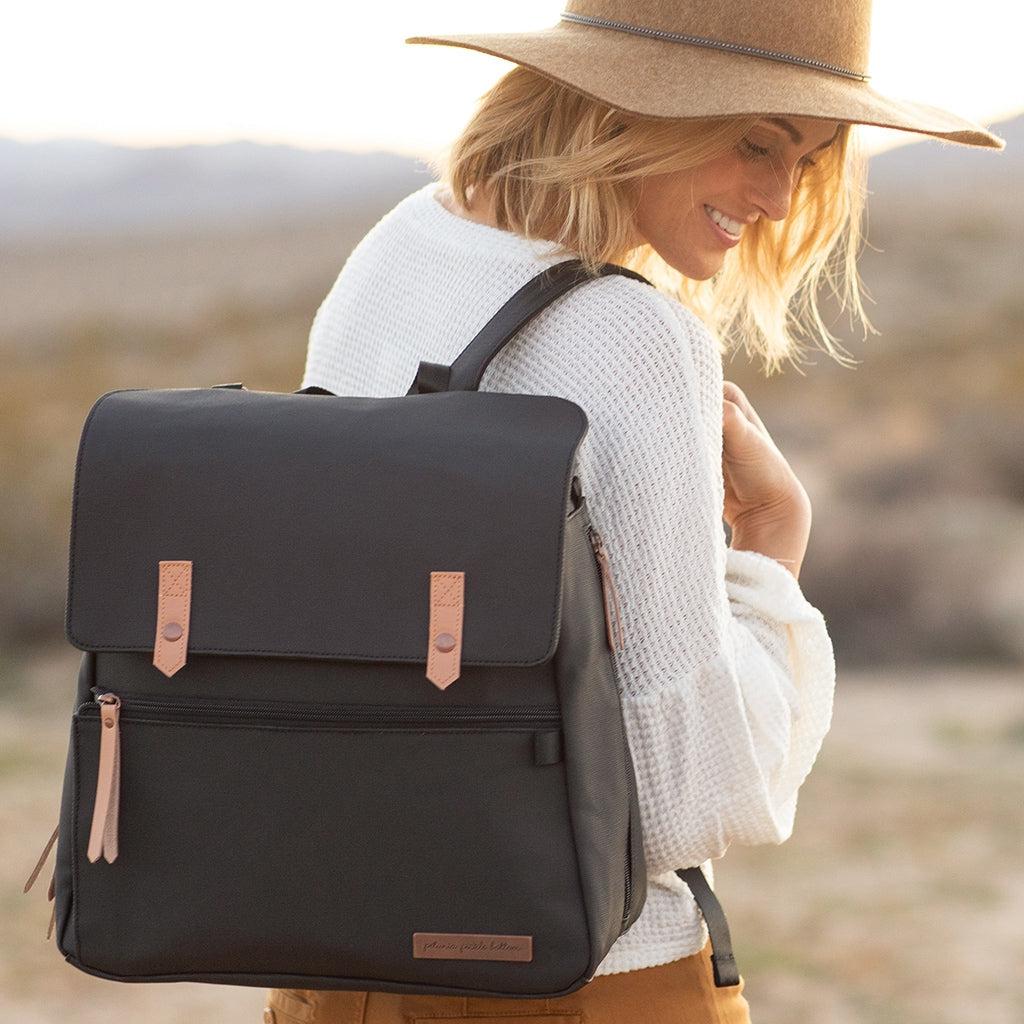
x: 727, y: 675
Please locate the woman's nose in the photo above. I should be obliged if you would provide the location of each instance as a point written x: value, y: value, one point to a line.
x: 773, y: 191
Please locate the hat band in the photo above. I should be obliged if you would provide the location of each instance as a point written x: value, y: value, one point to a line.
x: 716, y: 44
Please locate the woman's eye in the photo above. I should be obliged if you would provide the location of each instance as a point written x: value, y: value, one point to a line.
x: 754, y: 150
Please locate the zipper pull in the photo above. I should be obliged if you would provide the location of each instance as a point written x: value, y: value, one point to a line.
x: 103, y: 835
x: 42, y: 860
x: 50, y: 893
x: 617, y: 638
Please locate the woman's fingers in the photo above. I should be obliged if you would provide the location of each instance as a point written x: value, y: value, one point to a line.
x: 734, y: 393
x: 743, y: 441
x: 734, y: 419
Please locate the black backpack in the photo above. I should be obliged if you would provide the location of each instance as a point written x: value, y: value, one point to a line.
x: 347, y: 714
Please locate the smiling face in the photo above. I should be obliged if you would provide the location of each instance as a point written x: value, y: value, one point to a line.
x: 677, y: 211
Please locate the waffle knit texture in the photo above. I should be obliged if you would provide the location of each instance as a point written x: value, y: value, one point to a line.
x: 727, y: 675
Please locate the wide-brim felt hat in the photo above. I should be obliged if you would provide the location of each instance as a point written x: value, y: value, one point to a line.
x: 705, y: 58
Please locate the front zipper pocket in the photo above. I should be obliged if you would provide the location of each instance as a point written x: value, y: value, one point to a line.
x: 278, y: 713
x: 313, y: 839
x: 103, y: 835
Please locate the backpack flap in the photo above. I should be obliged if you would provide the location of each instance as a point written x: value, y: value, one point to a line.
x: 322, y: 527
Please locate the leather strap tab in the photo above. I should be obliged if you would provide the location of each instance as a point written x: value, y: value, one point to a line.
x: 174, y: 600
x: 444, y: 639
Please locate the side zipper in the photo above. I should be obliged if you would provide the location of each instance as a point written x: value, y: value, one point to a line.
x: 616, y: 641
x: 103, y: 835
x: 616, y: 637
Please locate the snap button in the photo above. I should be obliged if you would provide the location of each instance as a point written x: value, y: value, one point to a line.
x: 268, y: 1015
x: 173, y: 631
x: 444, y: 642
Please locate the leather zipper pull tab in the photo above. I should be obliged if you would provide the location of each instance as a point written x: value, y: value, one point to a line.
x: 50, y: 892
x: 103, y: 834
x: 42, y: 859
x: 616, y: 637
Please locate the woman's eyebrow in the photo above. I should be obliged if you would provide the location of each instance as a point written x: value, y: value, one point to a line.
x: 782, y: 123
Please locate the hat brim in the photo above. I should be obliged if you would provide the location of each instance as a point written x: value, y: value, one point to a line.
x: 661, y: 78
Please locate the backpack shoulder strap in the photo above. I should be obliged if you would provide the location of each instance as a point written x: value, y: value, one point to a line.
x: 464, y: 375
x: 540, y: 291
x: 723, y: 962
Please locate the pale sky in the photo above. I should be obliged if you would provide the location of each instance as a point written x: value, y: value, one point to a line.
x: 338, y: 75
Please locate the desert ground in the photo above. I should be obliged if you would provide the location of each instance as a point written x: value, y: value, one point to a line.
x: 897, y: 900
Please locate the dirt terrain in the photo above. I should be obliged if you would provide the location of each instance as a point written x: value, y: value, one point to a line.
x: 898, y: 900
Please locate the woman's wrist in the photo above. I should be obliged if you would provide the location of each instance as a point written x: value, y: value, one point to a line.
x: 779, y: 531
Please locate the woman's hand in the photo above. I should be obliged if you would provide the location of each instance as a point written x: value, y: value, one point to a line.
x: 766, y: 506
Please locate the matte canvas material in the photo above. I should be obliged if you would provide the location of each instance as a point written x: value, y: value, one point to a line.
x: 300, y: 804
x: 347, y: 715
x: 313, y: 523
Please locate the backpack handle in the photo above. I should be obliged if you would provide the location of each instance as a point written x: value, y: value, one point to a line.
x: 540, y: 291
x: 312, y: 389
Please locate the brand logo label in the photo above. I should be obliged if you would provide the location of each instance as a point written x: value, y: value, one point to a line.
x: 467, y: 946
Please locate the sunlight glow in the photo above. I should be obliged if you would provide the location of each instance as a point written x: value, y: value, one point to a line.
x: 331, y: 75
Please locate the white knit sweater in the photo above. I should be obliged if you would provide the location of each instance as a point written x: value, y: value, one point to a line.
x: 727, y: 674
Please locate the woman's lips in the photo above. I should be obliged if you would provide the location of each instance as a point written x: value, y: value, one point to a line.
x: 726, y: 239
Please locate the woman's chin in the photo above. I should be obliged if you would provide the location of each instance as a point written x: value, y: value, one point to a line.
x: 697, y: 268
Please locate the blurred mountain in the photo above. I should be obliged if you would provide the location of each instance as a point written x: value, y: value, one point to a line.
x: 79, y: 186
x: 76, y: 187
x: 930, y: 170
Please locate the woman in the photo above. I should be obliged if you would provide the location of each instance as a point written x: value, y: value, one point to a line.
x: 646, y: 134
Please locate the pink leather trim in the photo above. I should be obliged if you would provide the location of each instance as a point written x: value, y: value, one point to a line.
x: 42, y: 859
x: 103, y: 832
x: 444, y: 636
x: 469, y: 946
x: 174, y: 601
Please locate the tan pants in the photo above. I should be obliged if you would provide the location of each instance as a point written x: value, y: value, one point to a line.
x: 680, y: 992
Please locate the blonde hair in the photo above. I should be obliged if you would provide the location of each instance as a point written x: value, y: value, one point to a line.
x: 563, y: 167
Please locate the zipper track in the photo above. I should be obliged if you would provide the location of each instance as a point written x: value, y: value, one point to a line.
x: 594, y: 536
x: 368, y: 714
